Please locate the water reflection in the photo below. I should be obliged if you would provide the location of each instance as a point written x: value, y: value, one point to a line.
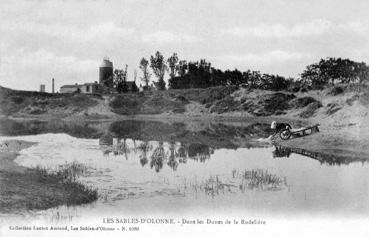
x: 215, y: 135
x: 156, y: 153
x: 145, y: 160
x: 78, y: 129
x: 172, y: 162
x: 326, y: 159
x: 144, y: 148
x: 195, y: 141
x: 106, y: 139
x: 199, y: 152
x: 157, y: 157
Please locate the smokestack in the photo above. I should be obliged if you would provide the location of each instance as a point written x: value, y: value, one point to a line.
x: 53, y: 86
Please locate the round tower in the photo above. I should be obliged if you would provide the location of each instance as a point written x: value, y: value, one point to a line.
x: 106, y: 73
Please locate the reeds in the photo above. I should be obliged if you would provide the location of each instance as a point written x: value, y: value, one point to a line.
x: 67, y: 177
x: 261, y: 179
x: 241, y: 181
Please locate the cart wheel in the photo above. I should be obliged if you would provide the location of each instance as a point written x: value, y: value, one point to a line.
x: 285, y: 134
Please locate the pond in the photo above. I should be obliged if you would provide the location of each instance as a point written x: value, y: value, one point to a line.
x: 149, y: 167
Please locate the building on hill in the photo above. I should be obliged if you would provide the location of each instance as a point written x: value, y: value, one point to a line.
x: 87, y: 88
x: 105, y: 85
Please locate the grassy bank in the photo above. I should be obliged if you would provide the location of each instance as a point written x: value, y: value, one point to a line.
x: 37, y: 189
x: 39, y: 104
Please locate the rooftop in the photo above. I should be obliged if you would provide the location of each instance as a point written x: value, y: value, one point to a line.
x: 106, y: 63
x: 79, y: 85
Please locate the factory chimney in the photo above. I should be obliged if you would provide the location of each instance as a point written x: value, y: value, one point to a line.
x: 53, y: 86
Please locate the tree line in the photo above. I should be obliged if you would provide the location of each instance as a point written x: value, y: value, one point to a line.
x: 200, y: 74
x: 334, y: 70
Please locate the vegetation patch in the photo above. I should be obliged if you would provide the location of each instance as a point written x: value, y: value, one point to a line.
x: 310, y: 109
x: 357, y: 87
x: 13, y: 101
x: 332, y: 108
x: 126, y: 104
x: 240, y: 181
x: 147, y: 103
x: 276, y: 101
x: 364, y: 98
x: 181, y: 99
x: 263, y: 105
x: 206, y: 96
x: 38, y: 189
x: 350, y: 101
x: 336, y: 90
x: 159, y: 103
x: 270, y: 104
x: 227, y: 104
x: 301, y: 102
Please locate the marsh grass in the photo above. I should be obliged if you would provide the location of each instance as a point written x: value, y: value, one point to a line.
x: 66, y: 176
x: 40, y: 189
x: 260, y: 179
x: 69, y: 172
x: 240, y: 181
x: 62, y: 216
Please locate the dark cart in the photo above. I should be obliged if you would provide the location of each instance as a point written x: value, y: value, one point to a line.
x: 286, y: 134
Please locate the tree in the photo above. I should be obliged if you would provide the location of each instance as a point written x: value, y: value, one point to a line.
x: 362, y: 72
x: 180, y: 81
x: 157, y: 63
x: 172, y: 63
x: 120, y: 80
x: 311, y: 76
x: 144, y: 66
x: 182, y: 67
x: 199, y: 74
x: 333, y: 70
x: 273, y: 82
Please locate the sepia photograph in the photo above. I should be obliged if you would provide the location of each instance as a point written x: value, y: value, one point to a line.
x: 184, y: 118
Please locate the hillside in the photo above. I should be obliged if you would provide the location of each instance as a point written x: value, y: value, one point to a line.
x: 37, y: 104
x: 340, y: 104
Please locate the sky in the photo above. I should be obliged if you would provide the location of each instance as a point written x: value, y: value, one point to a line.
x: 67, y: 40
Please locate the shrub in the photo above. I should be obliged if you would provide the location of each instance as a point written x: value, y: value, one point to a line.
x: 302, y: 102
x: 336, y: 91
x: 310, y: 109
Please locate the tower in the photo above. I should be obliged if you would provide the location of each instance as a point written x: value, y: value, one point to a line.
x: 53, y: 86
x: 42, y: 88
x: 106, y: 73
